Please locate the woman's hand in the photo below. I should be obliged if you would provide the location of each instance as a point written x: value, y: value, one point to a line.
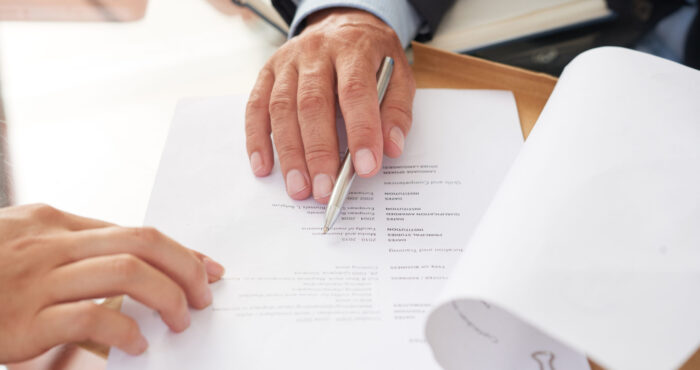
x: 52, y: 263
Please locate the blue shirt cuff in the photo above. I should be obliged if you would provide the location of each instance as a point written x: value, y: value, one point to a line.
x: 398, y: 14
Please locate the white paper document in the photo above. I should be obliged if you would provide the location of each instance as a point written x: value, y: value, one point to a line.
x: 590, y: 242
x: 356, y: 298
x: 594, y: 237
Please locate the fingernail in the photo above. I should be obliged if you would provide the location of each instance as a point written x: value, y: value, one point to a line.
x: 364, y: 161
x: 323, y: 186
x: 213, y: 268
x: 256, y: 163
x: 296, y: 182
x: 396, y: 136
x: 141, y: 344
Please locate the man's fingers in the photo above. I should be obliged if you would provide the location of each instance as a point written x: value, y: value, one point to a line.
x: 316, y: 112
x: 357, y: 93
x: 257, y: 125
x: 82, y: 321
x: 286, y: 134
x: 397, y: 108
x: 120, y: 274
x: 145, y: 243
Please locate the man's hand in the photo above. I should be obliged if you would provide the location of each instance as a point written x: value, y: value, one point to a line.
x: 294, y: 99
x: 52, y: 263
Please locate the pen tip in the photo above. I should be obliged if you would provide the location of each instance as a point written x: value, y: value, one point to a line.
x: 325, y: 229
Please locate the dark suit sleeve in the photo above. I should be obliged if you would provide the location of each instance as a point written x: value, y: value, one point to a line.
x: 431, y: 11
x: 286, y: 8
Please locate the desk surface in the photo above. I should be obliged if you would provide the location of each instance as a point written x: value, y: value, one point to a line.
x: 88, y: 105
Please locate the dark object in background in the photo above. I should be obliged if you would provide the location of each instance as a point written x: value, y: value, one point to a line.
x: 692, y: 44
x: 549, y: 53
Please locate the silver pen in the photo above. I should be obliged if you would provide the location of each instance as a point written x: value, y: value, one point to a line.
x: 347, y: 171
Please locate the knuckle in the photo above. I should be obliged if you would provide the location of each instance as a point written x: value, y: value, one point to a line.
x: 256, y: 134
x: 351, y: 32
x: 178, y: 301
x: 256, y: 137
x: 280, y: 106
x: 286, y: 50
x: 131, y: 332
x: 398, y: 114
x: 320, y: 153
x: 266, y: 72
x: 256, y: 102
x: 288, y: 151
x: 148, y: 235
x: 170, y: 301
x: 86, y: 320
x: 256, y: 128
x: 44, y: 212
x: 312, y: 41
x: 363, y: 131
x: 196, y: 271
x: 365, y: 36
x: 391, y: 36
x: 354, y: 89
x: 312, y: 101
x: 125, y: 266
x: 385, y: 33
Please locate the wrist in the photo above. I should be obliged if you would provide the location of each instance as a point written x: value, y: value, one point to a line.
x: 342, y: 13
x: 395, y: 17
x: 341, y: 16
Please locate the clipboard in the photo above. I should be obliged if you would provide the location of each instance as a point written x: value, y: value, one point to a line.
x: 435, y: 68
